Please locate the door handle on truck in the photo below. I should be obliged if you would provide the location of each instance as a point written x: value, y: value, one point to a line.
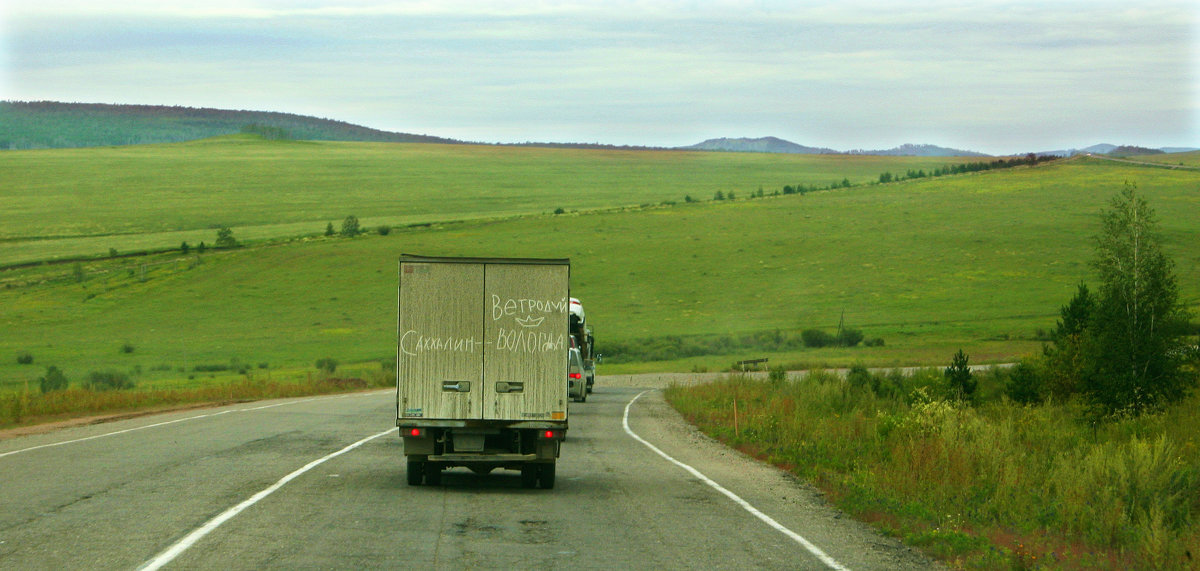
x: 510, y: 387
x: 456, y: 386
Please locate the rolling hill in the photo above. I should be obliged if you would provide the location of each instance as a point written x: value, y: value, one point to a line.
x: 48, y: 124
x: 759, y: 145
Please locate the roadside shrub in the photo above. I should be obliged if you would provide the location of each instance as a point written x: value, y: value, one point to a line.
x: 1024, y: 384
x: 385, y: 230
x: 25, y: 358
x: 54, y: 380
x: 873, y: 342
x: 816, y: 338
x: 858, y: 376
x: 559, y: 210
x: 127, y: 347
x: 327, y: 364
x: 850, y: 337
x: 108, y: 381
x: 777, y: 375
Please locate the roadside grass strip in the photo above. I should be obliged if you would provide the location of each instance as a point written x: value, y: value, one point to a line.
x: 813, y: 549
x: 169, y: 422
x: 188, y: 541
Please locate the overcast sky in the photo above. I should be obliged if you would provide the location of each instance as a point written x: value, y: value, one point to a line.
x: 991, y: 76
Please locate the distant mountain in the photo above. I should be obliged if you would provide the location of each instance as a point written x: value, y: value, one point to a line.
x: 777, y: 145
x: 1131, y: 150
x: 911, y: 150
x: 1101, y: 149
x: 47, y: 124
x: 1122, y: 150
x: 759, y: 145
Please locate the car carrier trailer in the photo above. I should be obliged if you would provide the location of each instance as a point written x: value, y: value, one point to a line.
x: 481, y: 365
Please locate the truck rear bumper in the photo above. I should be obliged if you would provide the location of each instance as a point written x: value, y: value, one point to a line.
x: 489, y: 424
x: 485, y: 458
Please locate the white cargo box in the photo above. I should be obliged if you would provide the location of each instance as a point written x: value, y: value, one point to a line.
x: 482, y: 340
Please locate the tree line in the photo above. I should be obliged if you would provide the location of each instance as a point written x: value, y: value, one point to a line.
x: 1031, y: 159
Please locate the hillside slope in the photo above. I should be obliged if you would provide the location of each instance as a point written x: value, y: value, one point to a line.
x: 66, y: 203
x: 904, y: 262
x: 47, y: 124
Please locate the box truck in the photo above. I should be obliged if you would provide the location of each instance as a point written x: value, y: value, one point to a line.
x: 481, y: 365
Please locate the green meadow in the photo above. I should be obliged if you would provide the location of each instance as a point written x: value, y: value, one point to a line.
x: 71, y: 203
x: 980, y: 261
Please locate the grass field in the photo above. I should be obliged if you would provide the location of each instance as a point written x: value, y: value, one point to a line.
x: 82, y: 202
x: 1189, y: 159
x: 977, y: 261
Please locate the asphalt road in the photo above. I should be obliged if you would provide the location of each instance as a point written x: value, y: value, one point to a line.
x: 245, y: 487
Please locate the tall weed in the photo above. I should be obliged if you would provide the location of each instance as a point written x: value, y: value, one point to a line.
x: 1028, y: 483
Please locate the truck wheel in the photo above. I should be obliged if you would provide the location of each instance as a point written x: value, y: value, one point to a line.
x: 433, y: 474
x: 529, y: 476
x: 546, y: 476
x: 416, y: 471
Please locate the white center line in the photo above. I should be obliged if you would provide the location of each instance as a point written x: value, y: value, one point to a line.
x: 183, y: 544
x: 825, y: 558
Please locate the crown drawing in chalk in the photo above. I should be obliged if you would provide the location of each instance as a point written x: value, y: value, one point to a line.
x: 530, y: 321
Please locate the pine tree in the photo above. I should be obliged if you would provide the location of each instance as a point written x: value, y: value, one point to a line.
x: 958, y: 375
x: 1067, y: 360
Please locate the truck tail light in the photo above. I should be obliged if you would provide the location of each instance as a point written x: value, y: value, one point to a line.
x: 551, y: 434
x: 414, y: 432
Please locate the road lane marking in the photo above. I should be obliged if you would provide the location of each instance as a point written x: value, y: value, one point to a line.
x: 816, y: 551
x: 183, y: 544
x: 158, y: 424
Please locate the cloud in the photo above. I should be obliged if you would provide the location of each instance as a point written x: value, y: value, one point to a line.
x: 828, y: 74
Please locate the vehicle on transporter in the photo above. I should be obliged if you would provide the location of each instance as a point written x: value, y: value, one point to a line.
x: 481, y: 365
x: 582, y: 339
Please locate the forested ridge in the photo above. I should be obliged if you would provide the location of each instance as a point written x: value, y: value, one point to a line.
x: 48, y: 124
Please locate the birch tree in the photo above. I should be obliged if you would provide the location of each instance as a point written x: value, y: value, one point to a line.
x: 1138, y: 340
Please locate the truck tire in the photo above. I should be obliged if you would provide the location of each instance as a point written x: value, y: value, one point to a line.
x: 546, y: 476
x: 529, y: 476
x: 433, y: 474
x: 416, y: 472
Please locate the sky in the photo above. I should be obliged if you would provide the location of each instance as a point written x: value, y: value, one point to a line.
x: 1000, y: 77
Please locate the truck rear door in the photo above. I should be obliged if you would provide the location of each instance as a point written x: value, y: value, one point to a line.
x: 525, y: 365
x: 440, y: 355
x: 482, y: 339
